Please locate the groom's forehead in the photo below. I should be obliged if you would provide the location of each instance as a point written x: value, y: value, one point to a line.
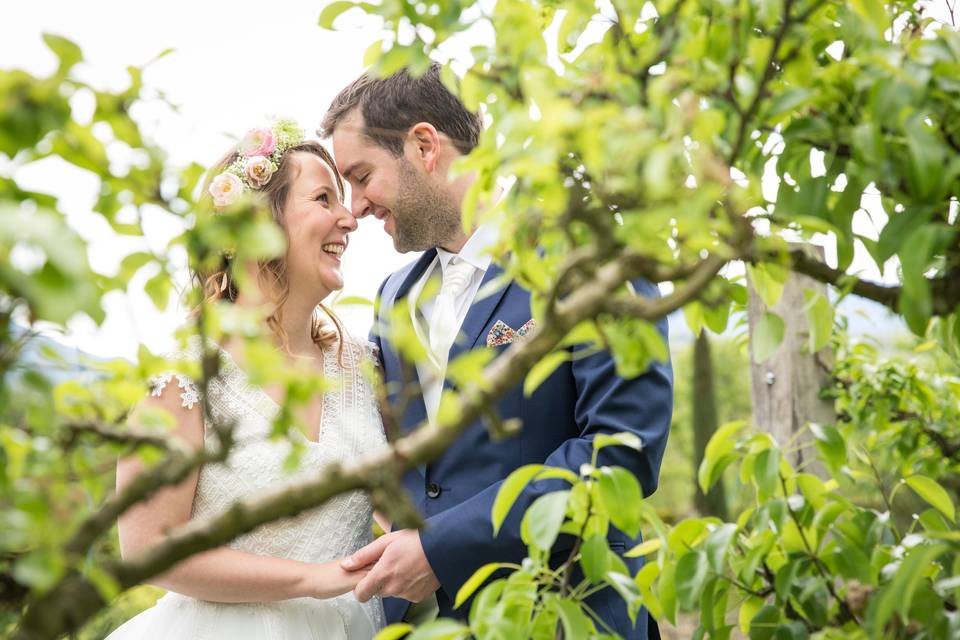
x: 350, y: 143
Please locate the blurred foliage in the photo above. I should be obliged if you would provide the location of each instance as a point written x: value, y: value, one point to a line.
x: 638, y: 135
x: 651, y: 129
x: 64, y: 417
x: 872, y: 550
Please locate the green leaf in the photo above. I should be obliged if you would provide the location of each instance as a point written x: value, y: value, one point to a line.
x: 133, y: 262
x: 897, y: 596
x: 39, y: 569
x: 925, y: 160
x: 551, y: 473
x: 66, y: 51
x: 792, y: 630
x: 717, y: 544
x: 478, y: 578
x: 544, y: 517
x: 158, y: 288
x: 898, y: 229
x: 667, y: 590
x: 717, y: 316
x: 691, y: 572
x: 789, y: 100
x: 356, y: 301
x: 764, y: 624
x: 394, y: 632
x: 595, y: 558
x: 621, y: 496
x: 575, y: 622
x: 718, y: 454
x: 915, y: 301
x: 852, y: 563
x: 628, y: 590
x: 766, y: 468
x: 571, y: 27
x: 645, y: 548
x: 874, y: 13
x: 542, y: 370
x: 332, y: 11
x: 509, y: 491
x: 831, y: 445
x: 372, y: 54
x: 693, y: 313
x: 467, y: 368
x: 748, y: 610
x: 622, y: 439
x: 442, y: 629
x: 935, y: 495
x: 768, y: 281
x: 819, y: 314
x: 767, y: 336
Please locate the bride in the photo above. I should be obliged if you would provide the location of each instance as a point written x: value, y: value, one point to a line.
x: 284, y: 579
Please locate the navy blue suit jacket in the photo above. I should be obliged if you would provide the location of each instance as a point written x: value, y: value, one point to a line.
x: 582, y: 398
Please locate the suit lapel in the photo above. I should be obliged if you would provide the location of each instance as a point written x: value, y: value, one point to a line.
x: 415, y: 412
x: 479, y: 313
x: 415, y: 272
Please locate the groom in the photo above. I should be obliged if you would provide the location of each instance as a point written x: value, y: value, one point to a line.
x: 394, y: 140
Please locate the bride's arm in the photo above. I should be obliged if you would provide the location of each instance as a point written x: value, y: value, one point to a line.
x: 219, y: 575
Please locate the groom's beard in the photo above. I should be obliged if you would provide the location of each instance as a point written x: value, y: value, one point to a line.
x: 424, y: 215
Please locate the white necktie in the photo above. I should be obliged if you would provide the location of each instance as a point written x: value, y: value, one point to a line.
x: 443, y: 319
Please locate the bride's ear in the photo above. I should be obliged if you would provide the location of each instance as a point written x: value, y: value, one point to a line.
x: 424, y: 141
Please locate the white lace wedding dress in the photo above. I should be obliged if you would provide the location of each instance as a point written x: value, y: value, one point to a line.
x: 351, y: 426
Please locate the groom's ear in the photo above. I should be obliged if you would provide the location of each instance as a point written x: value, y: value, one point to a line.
x: 424, y: 140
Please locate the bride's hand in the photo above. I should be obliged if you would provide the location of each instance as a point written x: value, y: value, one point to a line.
x: 329, y: 579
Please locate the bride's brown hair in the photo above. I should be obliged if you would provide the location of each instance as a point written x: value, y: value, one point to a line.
x: 272, y: 274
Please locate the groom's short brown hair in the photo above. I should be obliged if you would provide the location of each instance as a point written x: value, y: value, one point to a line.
x: 390, y: 106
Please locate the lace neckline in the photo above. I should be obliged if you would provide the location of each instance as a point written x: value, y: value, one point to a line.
x: 261, y: 401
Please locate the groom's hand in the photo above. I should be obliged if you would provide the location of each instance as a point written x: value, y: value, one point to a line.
x: 400, y: 568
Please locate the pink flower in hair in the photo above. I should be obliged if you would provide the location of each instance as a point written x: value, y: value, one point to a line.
x: 257, y: 142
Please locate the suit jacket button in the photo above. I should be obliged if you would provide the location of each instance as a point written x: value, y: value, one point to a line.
x: 433, y: 490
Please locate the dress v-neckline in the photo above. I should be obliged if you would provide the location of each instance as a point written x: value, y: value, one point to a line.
x: 273, y: 408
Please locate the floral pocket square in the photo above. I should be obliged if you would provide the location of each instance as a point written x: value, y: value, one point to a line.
x: 501, y: 333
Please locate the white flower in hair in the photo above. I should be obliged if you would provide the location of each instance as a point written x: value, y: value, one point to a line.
x: 225, y: 189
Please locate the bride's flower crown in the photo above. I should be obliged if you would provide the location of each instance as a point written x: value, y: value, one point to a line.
x: 258, y: 158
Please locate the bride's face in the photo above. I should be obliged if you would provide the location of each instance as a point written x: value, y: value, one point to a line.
x: 317, y: 225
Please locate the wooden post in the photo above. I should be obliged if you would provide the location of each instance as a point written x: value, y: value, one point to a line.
x: 786, y: 387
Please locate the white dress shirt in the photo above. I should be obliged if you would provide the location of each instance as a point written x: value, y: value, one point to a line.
x: 476, y: 252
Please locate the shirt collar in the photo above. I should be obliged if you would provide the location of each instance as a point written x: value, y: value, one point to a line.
x: 476, y: 251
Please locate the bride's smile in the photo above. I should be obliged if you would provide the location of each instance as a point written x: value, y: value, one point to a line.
x: 317, y: 227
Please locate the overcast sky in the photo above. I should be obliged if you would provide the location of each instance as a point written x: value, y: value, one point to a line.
x: 235, y: 65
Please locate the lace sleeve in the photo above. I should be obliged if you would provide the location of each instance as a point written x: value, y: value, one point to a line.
x: 189, y: 393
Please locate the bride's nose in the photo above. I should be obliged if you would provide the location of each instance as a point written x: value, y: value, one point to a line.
x: 345, y: 219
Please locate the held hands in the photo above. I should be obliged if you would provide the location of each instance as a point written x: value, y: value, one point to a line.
x: 394, y: 565
x: 330, y: 580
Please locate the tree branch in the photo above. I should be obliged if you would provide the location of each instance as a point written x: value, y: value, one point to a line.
x: 652, y: 309
x: 128, y: 435
x: 945, y: 290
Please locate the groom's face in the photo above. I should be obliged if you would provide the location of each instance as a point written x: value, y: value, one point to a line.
x: 417, y: 212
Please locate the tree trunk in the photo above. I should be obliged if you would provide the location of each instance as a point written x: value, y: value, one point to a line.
x: 786, y: 386
x: 704, y: 425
